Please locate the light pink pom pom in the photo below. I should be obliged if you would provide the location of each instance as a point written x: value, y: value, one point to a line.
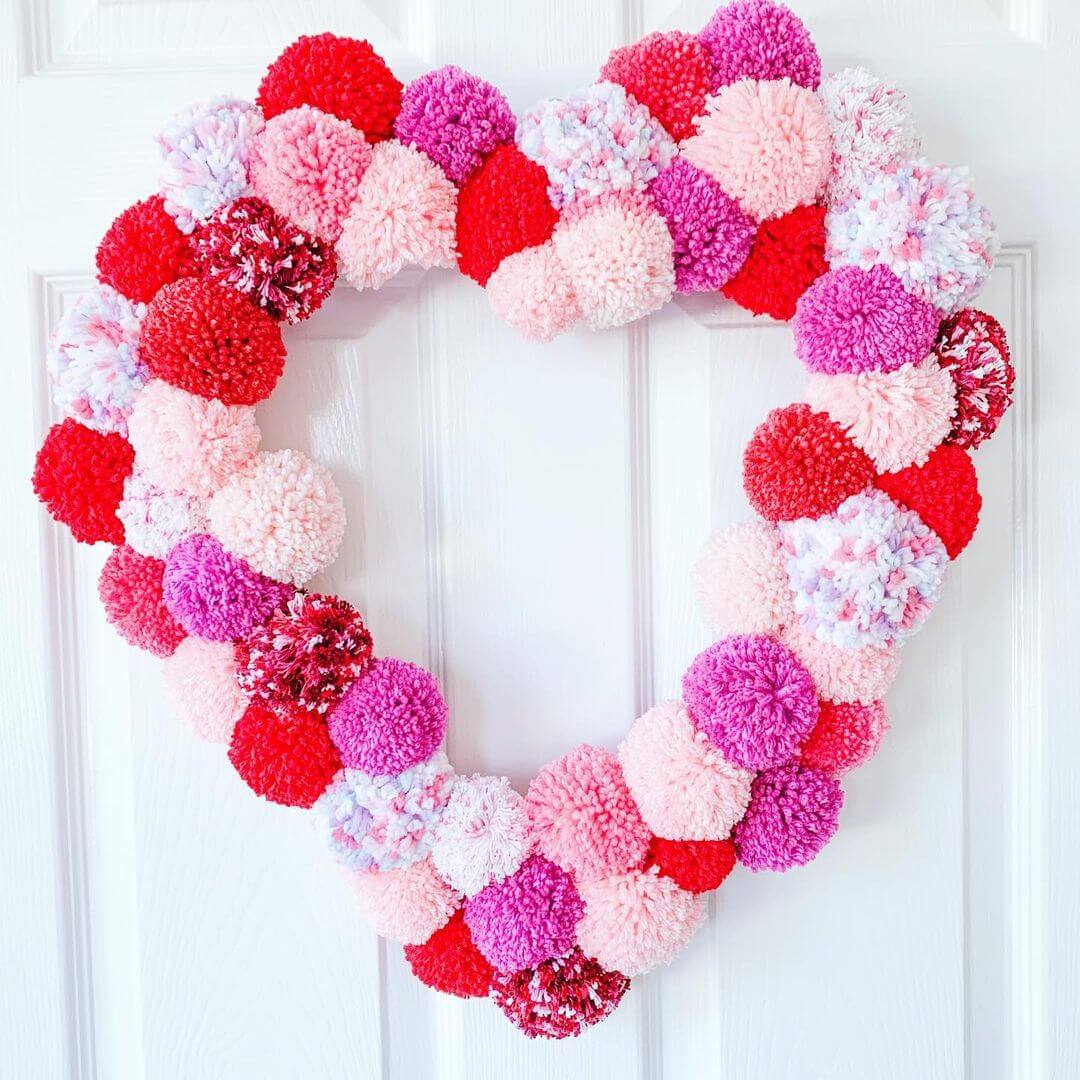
x: 532, y: 291
x: 861, y: 675
x: 200, y: 679
x: 406, y: 905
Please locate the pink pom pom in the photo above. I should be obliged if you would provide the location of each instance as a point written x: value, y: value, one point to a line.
x: 130, y: 591
x: 846, y: 736
x: 861, y: 675
x: 406, y: 905
x: 532, y: 291
x: 200, y: 680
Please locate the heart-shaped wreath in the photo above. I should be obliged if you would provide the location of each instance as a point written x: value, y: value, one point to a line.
x: 717, y: 161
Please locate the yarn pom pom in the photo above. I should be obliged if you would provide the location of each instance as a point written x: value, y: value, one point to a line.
x: 767, y: 144
x: 697, y: 866
x: 559, y: 998
x: 79, y: 475
x: 752, y: 698
x: 533, y: 292
x: 684, y: 788
x: 712, y: 236
x: 971, y: 347
x: 670, y: 74
x: 200, y: 680
x: 283, y: 514
x: 338, y: 75
x: 527, y: 918
x: 944, y: 492
x: 846, y: 736
x: 793, y: 814
x: 156, y: 520
x: 403, y: 215
x: 391, y: 718
x: 799, y: 463
x: 583, y: 816
x: 483, y: 835
x: 786, y: 258
x: 450, y: 962
x: 406, y: 905
x: 455, y: 118
x: 858, y: 675
x: 131, y: 593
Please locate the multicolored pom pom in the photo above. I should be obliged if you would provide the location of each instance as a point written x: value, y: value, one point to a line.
x: 156, y: 520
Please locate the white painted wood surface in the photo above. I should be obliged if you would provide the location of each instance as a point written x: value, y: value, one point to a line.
x: 522, y: 518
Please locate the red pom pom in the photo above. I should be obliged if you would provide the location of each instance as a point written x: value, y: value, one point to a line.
x: 79, y: 475
x: 286, y: 757
x: 697, y: 866
x: 670, y: 74
x: 450, y: 962
x: 144, y: 250
x: 210, y: 341
x: 337, y: 75
x: 944, y: 493
x: 787, y: 257
x: 799, y: 463
x: 130, y: 590
x: 503, y: 208
x: 846, y: 735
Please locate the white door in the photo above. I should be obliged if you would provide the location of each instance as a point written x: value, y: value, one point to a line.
x: 522, y: 519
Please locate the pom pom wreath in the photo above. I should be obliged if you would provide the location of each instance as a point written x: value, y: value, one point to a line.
x: 697, y: 866
x: 308, y: 165
x: 670, y: 74
x: 758, y: 39
x: 532, y: 291
x: 620, y: 258
x: 897, y: 417
x: 391, y: 718
x: 285, y: 757
x: 786, y: 258
x: 249, y: 247
x: 853, y: 320
x: 559, y: 998
x: 872, y: 129
x: 338, y: 75
x: 924, y: 223
x: 131, y: 593
x: 846, y: 736
x: 200, y: 680
x: 684, y: 788
x: 712, y: 236
x: 483, y: 835
x: 503, y: 208
x: 455, y: 118
x: 527, y: 918
x: 144, y: 250
x: 583, y: 816
x: 858, y: 675
x: 79, y: 475
x: 403, y: 215
x: 156, y: 520
x: 971, y: 347
x: 215, y: 595
x: 450, y: 962
x: 793, y: 814
x: 209, y: 341
x: 188, y: 443
x: 306, y: 655
x: 638, y: 920
x: 93, y: 360
x: 752, y: 698
x: 598, y: 141
x: 767, y: 144
x: 204, y: 158
x: 283, y: 514
x: 406, y: 905
x: 867, y: 575
x: 799, y: 463
x: 740, y: 581
x: 944, y: 492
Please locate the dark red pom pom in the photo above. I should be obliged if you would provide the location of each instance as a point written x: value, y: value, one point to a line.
x: 450, y: 962
x: 208, y: 340
x: 799, y: 463
x: 847, y: 734
x: 697, y: 866
x: 144, y: 250
x: 286, y: 757
x: 503, y: 208
x: 337, y: 75
x: 944, y: 493
x: 787, y: 257
x: 131, y: 592
x: 79, y: 475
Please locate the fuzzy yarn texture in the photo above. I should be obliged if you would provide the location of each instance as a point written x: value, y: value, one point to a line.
x: 200, y: 682
x: 583, y: 817
x: 846, y: 736
x: 532, y: 291
x: 406, y: 905
x: 450, y: 962
x: 799, y: 463
x: 156, y: 520
x: 130, y: 589
x: 855, y: 675
x: 793, y: 814
x: 282, y: 513
x: 696, y: 866
x: 684, y: 788
x: 391, y: 718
